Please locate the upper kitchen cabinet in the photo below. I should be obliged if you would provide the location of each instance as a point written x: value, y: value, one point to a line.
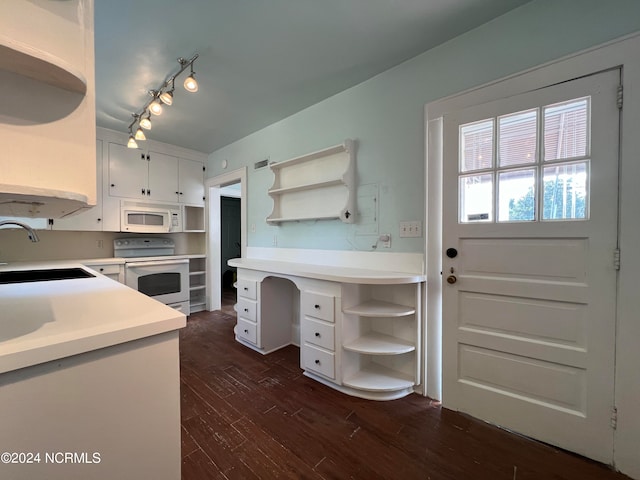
x: 191, y: 182
x: 48, y: 162
x: 154, y: 176
x: 138, y: 174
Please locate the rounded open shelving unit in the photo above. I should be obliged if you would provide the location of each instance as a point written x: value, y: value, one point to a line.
x: 39, y: 65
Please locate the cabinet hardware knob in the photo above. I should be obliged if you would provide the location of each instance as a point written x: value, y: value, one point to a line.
x: 317, y: 362
x: 177, y: 193
x: 246, y: 309
x: 246, y: 289
x: 316, y: 306
x: 102, y: 269
x: 317, y: 334
x: 142, y: 190
x: 148, y: 192
x: 246, y: 331
x: 99, y: 219
x: 113, y: 185
x: 181, y: 193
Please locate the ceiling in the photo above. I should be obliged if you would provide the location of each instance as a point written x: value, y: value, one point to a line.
x: 259, y: 60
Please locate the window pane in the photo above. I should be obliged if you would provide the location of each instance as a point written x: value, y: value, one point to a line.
x: 565, y: 191
x: 476, y: 146
x: 476, y: 198
x: 566, y: 130
x: 517, y: 196
x: 517, y: 138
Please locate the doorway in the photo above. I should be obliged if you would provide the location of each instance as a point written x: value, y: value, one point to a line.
x: 219, y: 236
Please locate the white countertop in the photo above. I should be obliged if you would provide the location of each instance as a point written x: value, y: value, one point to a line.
x: 331, y: 273
x: 45, y: 321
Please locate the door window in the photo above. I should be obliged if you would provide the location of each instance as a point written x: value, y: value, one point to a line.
x: 531, y: 165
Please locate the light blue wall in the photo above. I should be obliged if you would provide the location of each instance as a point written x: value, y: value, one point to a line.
x: 386, y: 116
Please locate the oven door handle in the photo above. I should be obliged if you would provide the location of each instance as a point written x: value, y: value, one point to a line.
x: 156, y: 263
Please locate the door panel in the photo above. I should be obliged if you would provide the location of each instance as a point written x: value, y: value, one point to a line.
x: 530, y: 204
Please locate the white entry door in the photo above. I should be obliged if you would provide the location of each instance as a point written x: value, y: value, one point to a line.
x: 529, y: 262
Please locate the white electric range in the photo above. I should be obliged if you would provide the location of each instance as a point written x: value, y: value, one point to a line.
x: 151, y: 267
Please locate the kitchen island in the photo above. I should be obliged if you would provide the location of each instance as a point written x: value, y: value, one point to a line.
x: 89, y: 380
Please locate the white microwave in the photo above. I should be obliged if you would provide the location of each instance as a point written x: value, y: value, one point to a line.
x: 149, y: 218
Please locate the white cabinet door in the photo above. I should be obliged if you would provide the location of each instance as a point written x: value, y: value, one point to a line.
x: 163, y: 177
x: 90, y: 219
x: 191, y: 178
x: 128, y: 172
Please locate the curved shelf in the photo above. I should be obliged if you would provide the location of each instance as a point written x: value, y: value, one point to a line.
x: 377, y: 308
x: 374, y: 343
x: 376, y: 378
x: 31, y: 62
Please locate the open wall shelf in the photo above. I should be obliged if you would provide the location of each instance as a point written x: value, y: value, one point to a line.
x: 316, y: 186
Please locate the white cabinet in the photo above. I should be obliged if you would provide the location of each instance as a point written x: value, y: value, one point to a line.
x: 115, y: 271
x: 267, y: 311
x: 317, y: 330
x: 197, y: 283
x: 380, y: 338
x: 320, y: 185
x: 154, y: 176
x: 137, y: 174
x: 47, y: 58
x: 91, y: 218
x: 191, y: 182
x: 358, y: 332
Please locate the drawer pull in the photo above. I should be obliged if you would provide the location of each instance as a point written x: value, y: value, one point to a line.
x: 246, y: 331
x: 316, y: 306
x: 246, y: 309
x: 317, y: 334
x: 246, y: 289
x: 317, y: 362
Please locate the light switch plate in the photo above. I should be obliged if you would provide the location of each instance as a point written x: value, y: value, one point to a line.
x: 410, y: 229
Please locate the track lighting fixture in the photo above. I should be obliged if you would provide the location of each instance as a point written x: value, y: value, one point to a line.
x: 163, y: 95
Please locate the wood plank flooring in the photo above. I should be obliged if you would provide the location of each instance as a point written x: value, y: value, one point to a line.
x: 249, y: 416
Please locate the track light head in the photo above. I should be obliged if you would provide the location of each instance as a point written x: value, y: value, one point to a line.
x: 139, y: 134
x: 132, y: 141
x: 146, y: 122
x: 190, y: 83
x: 167, y: 97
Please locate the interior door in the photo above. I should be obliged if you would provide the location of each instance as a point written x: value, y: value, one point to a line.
x: 529, y: 272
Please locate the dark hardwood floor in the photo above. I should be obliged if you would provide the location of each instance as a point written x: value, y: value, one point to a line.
x: 249, y: 416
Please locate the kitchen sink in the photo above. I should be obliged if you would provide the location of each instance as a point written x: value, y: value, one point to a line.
x: 24, y: 276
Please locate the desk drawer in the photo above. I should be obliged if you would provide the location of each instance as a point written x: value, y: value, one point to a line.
x: 318, y: 333
x: 246, y: 309
x: 246, y: 288
x: 247, y: 331
x: 317, y: 305
x: 318, y: 361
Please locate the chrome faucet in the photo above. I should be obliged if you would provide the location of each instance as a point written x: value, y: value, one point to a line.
x: 33, y: 236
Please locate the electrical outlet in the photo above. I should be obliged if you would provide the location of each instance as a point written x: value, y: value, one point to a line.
x: 385, y: 239
x: 410, y: 229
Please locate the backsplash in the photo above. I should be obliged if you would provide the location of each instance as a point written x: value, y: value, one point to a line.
x: 16, y: 247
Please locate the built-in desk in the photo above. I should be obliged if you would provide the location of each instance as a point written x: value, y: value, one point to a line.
x: 359, y: 330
